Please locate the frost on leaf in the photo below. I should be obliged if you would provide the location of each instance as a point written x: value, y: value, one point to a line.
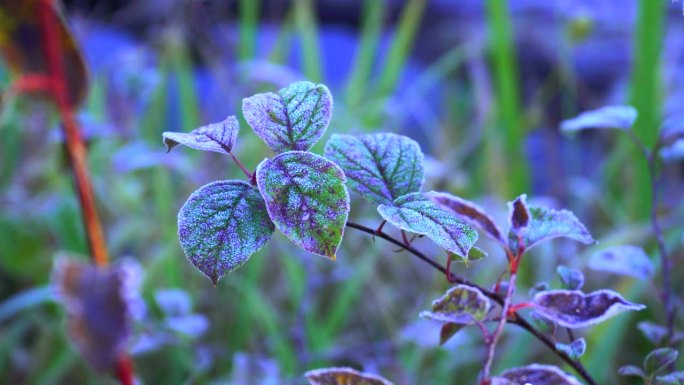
x: 418, y: 214
x: 98, y: 315
x: 617, y: 117
x: 217, y: 137
x: 470, y: 212
x: 538, y: 375
x: 221, y: 225
x: 307, y: 199
x: 343, y: 376
x: 459, y: 305
x: 623, y: 260
x: 574, y: 309
x: 545, y: 223
x: 294, y: 118
x: 380, y: 167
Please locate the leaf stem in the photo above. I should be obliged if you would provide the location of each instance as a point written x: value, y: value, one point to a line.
x: 486, y: 372
x: 242, y: 166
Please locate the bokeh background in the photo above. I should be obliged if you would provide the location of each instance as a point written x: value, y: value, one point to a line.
x: 482, y: 85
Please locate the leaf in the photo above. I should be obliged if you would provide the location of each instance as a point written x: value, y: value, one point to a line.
x: 343, y: 376
x: 575, y: 349
x: 98, y: 315
x: 673, y: 152
x: 543, y: 324
x: 539, y: 375
x: 447, y: 331
x: 294, y: 118
x: 380, y: 167
x: 623, y: 260
x: 217, y: 137
x: 545, y: 224
x: 574, y: 309
x: 520, y: 215
x: 470, y: 212
x: 307, y: 199
x: 631, y: 370
x: 658, y: 360
x: 617, y: 117
x: 572, y: 279
x: 537, y: 288
x: 221, y: 225
x: 461, y: 304
x: 417, y: 214
x: 653, y: 332
x: 675, y: 378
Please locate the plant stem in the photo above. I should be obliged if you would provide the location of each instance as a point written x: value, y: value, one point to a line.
x: 242, y: 166
x: 515, y: 317
x: 486, y: 372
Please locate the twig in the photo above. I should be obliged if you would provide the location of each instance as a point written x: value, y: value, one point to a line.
x: 486, y: 371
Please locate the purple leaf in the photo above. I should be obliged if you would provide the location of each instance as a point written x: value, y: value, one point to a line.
x: 631, y: 370
x: 418, y: 214
x: 520, y: 216
x: 343, y: 376
x: 216, y: 137
x: 470, y: 212
x: 221, y: 225
x: 623, y: 260
x: 538, y: 375
x: 380, y: 167
x: 617, y: 117
x: 653, y: 332
x: 459, y: 305
x: 575, y: 349
x: 307, y: 199
x: 294, y: 118
x: 545, y: 224
x: 572, y: 279
x: 675, y: 378
x: 98, y: 315
x: 658, y: 360
x: 574, y: 309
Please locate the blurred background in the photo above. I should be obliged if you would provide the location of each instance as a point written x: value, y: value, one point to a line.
x: 482, y: 85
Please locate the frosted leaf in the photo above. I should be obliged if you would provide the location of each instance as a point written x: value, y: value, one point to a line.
x: 623, y: 260
x: 470, y: 212
x: 343, y: 376
x: 459, y: 305
x: 574, y: 350
x: 574, y: 309
x: 539, y: 375
x: 572, y: 279
x: 307, y: 199
x: 617, y: 117
x: 221, y: 225
x: 659, y: 359
x: 519, y: 214
x: 545, y: 224
x: 216, y: 137
x: 98, y: 316
x: 418, y: 214
x: 380, y: 167
x: 294, y: 118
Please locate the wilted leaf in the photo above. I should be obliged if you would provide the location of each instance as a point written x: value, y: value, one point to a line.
x: 380, y: 167
x: 98, y: 315
x: 294, y: 118
x: 574, y: 309
x: 221, y: 225
x: 217, y: 137
x: 343, y: 376
x: 417, y: 214
x: 520, y: 215
x: 658, y: 360
x: 623, y: 260
x: 618, y: 117
x: 470, y: 212
x: 653, y: 332
x: 459, y: 305
x: 631, y: 370
x: 572, y: 279
x: 545, y: 224
x: 575, y: 349
x: 539, y: 375
x: 307, y: 199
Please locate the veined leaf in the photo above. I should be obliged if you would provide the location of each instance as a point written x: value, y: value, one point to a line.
x: 343, y: 376
x: 380, y: 167
x: 221, y: 225
x: 294, y: 118
x: 545, y: 224
x: 418, y: 214
x: 617, y: 117
x: 539, y: 375
x: 623, y: 260
x: 307, y: 199
x: 574, y: 309
x: 470, y: 212
x: 217, y: 137
x: 459, y: 305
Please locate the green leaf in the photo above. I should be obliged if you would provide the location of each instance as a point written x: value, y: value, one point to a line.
x: 307, y: 199
x: 461, y: 304
x: 216, y: 137
x: 294, y: 118
x: 617, y: 117
x: 343, y: 376
x: 221, y: 225
x: 380, y: 167
x: 658, y: 360
x: 418, y: 214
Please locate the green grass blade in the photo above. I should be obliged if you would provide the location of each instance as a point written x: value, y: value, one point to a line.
x: 307, y: 27
x: 248, y: 22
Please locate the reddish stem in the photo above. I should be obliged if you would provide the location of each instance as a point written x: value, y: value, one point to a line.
x: 124, y: 371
